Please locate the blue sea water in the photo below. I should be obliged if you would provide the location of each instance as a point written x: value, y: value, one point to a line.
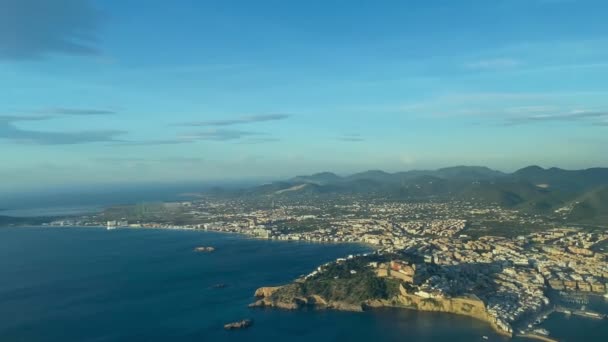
x: 90, y: 284
x: 67, y: 210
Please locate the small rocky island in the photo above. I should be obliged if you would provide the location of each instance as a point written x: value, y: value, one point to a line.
x: 205, y: 249
x: 246, y: 323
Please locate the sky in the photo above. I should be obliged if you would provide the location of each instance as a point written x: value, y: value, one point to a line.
x: 113, y: 91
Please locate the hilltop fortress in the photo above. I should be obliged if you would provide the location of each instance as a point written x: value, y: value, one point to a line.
x: 408, y: 295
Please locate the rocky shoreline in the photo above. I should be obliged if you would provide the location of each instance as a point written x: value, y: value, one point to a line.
x: 265, y: 300
x: 467, y: 306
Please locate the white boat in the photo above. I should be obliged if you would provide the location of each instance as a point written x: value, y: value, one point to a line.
x: 541, y: 331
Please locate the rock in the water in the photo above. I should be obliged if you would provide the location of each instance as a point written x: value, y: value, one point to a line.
x: 246, y: 323
x: 204, y: 249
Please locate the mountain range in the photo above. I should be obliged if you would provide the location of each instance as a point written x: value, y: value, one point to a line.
x: 533, y: 188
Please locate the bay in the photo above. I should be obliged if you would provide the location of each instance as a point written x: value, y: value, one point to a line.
x: 90, y: 284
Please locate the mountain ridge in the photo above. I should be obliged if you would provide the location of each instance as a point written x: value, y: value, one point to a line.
x: 531, y: 188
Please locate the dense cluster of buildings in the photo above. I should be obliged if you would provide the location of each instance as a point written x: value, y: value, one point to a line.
x: 510, y: 275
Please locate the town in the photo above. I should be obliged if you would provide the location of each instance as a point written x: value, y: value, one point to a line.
x: 515, y: 272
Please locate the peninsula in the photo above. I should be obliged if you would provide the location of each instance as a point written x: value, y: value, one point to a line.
x: 509, y: 283
x: 503, y: 248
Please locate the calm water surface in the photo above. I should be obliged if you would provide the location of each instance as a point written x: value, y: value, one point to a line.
x: 90, y: 284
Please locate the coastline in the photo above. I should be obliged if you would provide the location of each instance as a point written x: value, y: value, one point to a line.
x: 331, y: 305
x: 537, y: 337
x: 370, y: 306
x: 242, y: 235
x: 264, y: 300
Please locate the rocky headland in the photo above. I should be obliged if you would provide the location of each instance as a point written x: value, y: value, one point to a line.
x: 291, y: 297
x: 287, y: 298
x: 356, y: 286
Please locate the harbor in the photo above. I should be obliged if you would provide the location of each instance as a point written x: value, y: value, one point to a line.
x: 532, y: 329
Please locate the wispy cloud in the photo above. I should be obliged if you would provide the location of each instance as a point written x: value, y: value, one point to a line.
x: 512, y: 108
x: 601, y: 123
x: 14, y: 118
x: 9, y: 131
x: 176, y: 141
x: 574, y: 115
x: 76, y: 111
x: 31, y: 29
x: 49, y: 113
x: 355, y: 137
x: 131, y: 160
x: 493, y: 64
x: 238, y: 121
x: 221, y: 135
x: 253, y: 141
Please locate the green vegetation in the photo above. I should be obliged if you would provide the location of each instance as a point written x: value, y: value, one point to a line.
x: 531, y: 190
x: 338, y: 283
x: 352, y: 289
x: 171, y: 213
x: 591, y: 207
x: 301, y: 226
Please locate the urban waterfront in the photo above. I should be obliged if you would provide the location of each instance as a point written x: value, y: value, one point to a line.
x: 90, y: 284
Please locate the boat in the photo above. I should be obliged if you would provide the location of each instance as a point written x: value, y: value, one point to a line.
x: 484, y: 337
x: 541, y: 331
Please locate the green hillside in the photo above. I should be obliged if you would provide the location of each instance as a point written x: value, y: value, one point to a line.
x: 592, y: 207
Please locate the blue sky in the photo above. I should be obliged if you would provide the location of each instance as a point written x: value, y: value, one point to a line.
x: 124, y: 91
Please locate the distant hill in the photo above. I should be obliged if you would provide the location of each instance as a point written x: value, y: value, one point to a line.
x: 532, y: 188
x: 567, y: 180
x: 515, y: 194
x: 468, y: 173
x: 591, y: 207
x: 318, y: 178
x: 374, y: 175
x: 472, y: 173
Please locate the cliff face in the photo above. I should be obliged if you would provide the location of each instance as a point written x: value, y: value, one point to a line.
x: 467, y: 306
x: 288, y: 298
x: 460, y: 305
x: 266, y: 291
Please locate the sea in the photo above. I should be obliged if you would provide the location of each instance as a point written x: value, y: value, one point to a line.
x: 98, y: 285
